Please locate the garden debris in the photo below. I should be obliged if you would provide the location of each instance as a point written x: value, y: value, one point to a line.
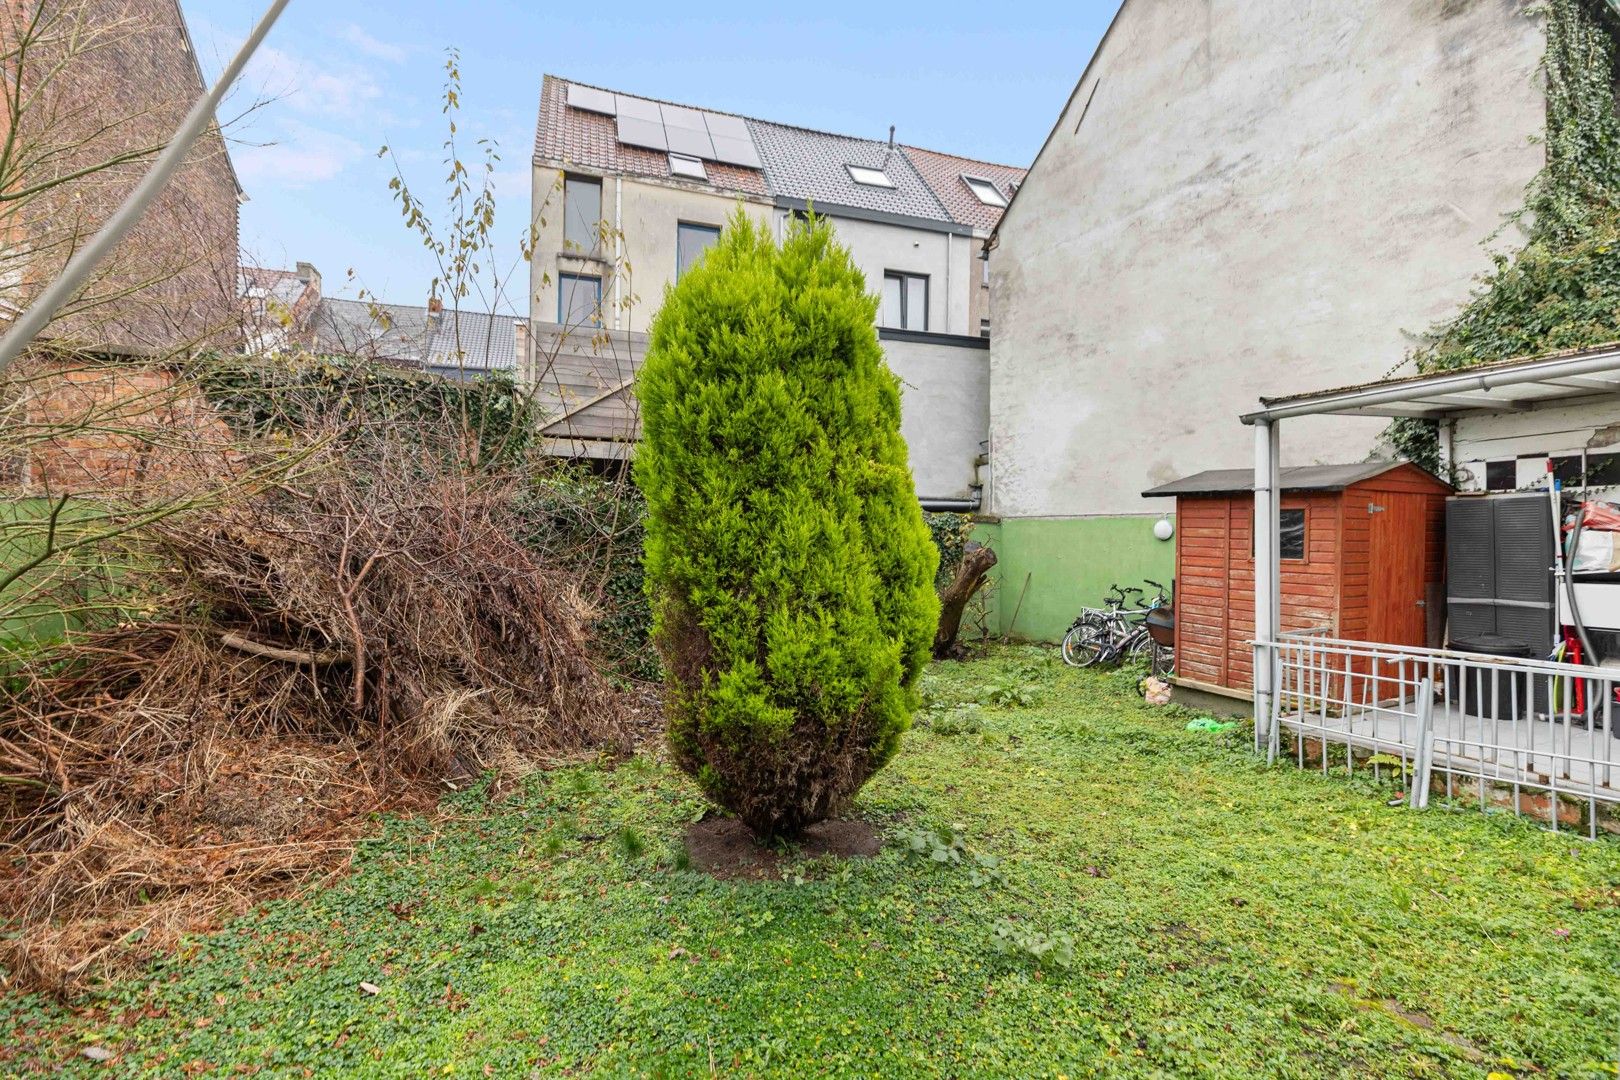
x: 1210, y: 726
x: 302, y: 657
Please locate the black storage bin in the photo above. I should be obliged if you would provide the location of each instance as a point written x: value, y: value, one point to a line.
x: 1482, y: 688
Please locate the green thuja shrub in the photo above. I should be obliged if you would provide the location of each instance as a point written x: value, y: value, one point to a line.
x: 790, y: 571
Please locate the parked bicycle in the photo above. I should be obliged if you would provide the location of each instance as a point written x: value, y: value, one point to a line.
x: 1130, y: 626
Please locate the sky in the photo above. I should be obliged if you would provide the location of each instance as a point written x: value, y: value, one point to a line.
x: 334, y: 82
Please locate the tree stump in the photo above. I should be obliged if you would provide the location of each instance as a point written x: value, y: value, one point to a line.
x: 970, y: 577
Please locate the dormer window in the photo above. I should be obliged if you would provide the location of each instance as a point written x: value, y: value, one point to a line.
x: 869, y: 177
x: 685, y: 165
x: 985, y: 190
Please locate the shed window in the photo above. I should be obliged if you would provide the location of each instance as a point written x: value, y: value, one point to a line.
x: 1291, y: 534
x: 1501, y: 475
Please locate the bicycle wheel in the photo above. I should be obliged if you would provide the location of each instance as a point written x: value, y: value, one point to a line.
x: 1083, y: 646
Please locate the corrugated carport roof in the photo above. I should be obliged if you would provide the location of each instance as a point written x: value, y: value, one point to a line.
x: 1508, y: 386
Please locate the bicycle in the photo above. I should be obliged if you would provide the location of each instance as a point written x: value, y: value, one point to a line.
x: 1117, y: 633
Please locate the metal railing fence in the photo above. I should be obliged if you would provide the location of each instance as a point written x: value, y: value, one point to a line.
x: 1539, y: 735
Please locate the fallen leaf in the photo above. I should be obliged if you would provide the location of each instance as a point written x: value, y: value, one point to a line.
x: 371, y: 988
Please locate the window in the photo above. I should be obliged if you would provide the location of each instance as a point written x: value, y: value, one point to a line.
x: 683, y: 165
x: 1291, y: 534
x: 582, y: 214
x: 691, y: 241
x: 1501, y: 475
x: 905, y: 301
x: 984, y: 269
x: 1602, y: 470
x: 985, y: 190
x: 869, y: 177
x: 984, y: 328
x: 1569, y: 469
x: 579, y: 299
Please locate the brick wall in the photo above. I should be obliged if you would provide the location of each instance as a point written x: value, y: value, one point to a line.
x: 122, y: 77
x: 102, y: 428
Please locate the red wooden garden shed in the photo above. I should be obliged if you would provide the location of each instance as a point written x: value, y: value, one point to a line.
x: 1362, y: 554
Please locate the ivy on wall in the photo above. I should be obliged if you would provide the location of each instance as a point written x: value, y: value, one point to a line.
x: 1561, y: 290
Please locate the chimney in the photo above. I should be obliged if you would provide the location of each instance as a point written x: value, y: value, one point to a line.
x: 435, y: 305
x: 891, y: 136
x: 311, y: 278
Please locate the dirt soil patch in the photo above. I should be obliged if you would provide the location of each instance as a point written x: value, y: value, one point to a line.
x: 724, y: 848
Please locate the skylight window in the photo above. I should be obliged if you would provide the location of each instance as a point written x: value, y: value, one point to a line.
x: 985, y: 190
x: 684, y: 165
x: 869, y: 177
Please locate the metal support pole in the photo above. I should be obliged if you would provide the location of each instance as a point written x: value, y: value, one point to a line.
x: 1423, y: 754
x: 39, y: 314
x: 1265, y: 571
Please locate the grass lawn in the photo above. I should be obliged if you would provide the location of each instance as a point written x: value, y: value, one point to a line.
x: 1225, y: 920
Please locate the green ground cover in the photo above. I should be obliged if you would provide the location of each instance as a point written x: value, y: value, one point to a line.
x: 1223, y: 920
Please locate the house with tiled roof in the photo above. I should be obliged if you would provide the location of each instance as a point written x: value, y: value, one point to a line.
x: 629, y: 191
x: 284, y: 309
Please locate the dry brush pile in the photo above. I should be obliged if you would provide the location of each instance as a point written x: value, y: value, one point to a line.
x: 352, y: 635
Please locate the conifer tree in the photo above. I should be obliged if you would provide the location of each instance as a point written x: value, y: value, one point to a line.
x: 789, y: 567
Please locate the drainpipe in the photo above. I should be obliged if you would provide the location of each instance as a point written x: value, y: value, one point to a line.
x: 618, y: 249
x: 951, y: 506
x: 948, y: 246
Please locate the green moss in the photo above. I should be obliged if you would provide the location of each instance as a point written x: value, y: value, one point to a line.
x: 1226, y: 920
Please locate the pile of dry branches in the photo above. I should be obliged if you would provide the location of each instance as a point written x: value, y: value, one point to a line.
x: 345, y: 639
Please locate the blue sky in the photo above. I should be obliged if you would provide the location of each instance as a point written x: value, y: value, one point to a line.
x: 343, y: 79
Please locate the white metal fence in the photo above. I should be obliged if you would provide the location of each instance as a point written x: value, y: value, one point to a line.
x: 1537, y: 736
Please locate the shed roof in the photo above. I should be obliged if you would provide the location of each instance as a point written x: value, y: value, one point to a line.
x: 1295, y: 478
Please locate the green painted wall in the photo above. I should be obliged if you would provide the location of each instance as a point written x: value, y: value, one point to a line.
x: 1070, y: 563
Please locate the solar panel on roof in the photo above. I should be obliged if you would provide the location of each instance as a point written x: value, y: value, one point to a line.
x: 647, y: 133
x: 639, y: 109
x: 681, y: 117
x: 736, y: 152
x: 725, y: 127
x: 686, y: 141
x: 592, y: 100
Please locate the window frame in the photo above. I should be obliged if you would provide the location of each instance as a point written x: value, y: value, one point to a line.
x: 970, y: 180
x: 570, y: 245
x: 680, y: 227
x: 854, y: 170
x: 563, y: 291
x: 1304, y: 556
x: 905, y: 277
x: 702, y: 172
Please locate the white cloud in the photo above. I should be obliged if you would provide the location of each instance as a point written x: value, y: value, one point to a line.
x: 382, y: 50
x: 303, y: 155
x: 311, y: 87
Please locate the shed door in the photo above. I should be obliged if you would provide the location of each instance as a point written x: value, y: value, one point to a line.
x: 1395, y: 550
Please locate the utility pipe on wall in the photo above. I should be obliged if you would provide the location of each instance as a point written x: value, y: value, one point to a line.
x: 618, y: 249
